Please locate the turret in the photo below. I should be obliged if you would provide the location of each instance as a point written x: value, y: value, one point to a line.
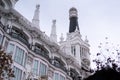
x: 53, y: 35
x: 73, y: 16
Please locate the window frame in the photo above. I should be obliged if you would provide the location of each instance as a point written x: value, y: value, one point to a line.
x: 42, y: 66
x: 35, y: 69
x: 18, y: 57
x: 16, y: 69
x: 73, y: 50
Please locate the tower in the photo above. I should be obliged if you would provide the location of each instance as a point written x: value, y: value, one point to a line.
x: 74, y: 46
x: 53, y: 35
x: 73, y: 17
x: 35, y: 19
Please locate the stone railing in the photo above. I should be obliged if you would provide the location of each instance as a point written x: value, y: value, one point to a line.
x: 58, y: 65
x: 42, y: 53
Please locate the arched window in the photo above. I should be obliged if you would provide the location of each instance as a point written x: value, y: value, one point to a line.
x: 20, y: 35
x: 41, y: 50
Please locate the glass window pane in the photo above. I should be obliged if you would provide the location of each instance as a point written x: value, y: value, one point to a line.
x: 10, y: 48
x: 17, y: 73
x: 62, y: 77
x: 35, y: 68
x: 19, y: 56
x: 0, y: 39
x: 43, y: 69
x: 56, y: 76
x: 25, y: 58
x: 73, y: 50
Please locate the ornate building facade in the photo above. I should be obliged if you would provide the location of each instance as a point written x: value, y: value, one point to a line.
x: 37, y: 56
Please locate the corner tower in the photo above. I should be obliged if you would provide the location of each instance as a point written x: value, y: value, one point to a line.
x: 73, y: 17
x: 75, y: 47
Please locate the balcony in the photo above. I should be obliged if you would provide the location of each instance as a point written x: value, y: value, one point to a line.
x: 20, y: 38
x: 85, y: 67
x: 42, y: 53
x: 60, y: 67
x: 74, y: 74
x: 57, y: 62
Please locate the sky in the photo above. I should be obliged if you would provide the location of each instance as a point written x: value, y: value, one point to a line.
x: 97, y: 18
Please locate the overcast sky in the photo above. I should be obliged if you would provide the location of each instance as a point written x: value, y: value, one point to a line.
x: 97, y: 18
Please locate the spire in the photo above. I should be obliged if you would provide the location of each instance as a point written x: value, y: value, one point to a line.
x: 35, y: 19
x: 53, y: 35
x: 73, y: 16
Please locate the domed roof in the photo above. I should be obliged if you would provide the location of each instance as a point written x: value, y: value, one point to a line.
x: 73, y: 9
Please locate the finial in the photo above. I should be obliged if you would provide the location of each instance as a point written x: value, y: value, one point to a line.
x: 54, y: 21
x: 86, y: 40
x: 73, y: 12
x: 61, y: 38
x: 37, y: 6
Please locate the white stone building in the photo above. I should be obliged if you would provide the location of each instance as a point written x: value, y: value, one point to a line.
x: 38, y: 56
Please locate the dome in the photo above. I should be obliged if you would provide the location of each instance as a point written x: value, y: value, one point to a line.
x: 73, y: 12
x: 73, y: 9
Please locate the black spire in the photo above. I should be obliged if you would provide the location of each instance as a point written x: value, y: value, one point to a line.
x: 73, y: 20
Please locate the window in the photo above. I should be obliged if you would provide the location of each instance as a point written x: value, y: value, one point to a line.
x: 35, y: 67
x: 62, y: 78
x: 17, y: 73
x: 80, y: 51
x: 0, y: 39
x: 10, y: 48
x: 6, y: 44
x: 73, y: 50
x: 42, y: 69
x: 83, y: 51
x: 25, y: 59
x: 58, y: 76
x: 19, y: 56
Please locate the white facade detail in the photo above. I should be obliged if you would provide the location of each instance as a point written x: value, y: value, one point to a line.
x: 37, y: 56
